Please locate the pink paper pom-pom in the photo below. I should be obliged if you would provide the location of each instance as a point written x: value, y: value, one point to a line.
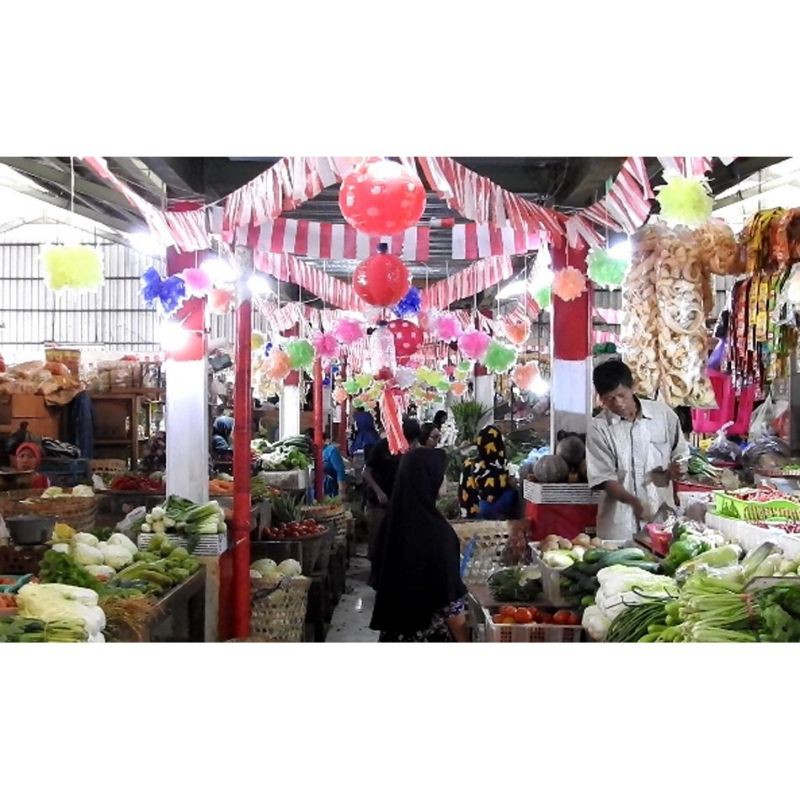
x: 568, y: 284
x: 325, y: 345
x: 198, y: 282
x: 348, y: 330
x: 473, y: 344
x: 448, y: 327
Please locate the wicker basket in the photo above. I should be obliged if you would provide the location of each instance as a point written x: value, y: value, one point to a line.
x: 278, y: 615
x: 77, y: 512
x: 324, y: 513
x: 107, y: 468
x: 305, y: 550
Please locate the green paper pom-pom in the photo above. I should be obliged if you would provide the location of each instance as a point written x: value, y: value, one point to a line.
x: 364, y: 381
x: 351, y: 386
x: 685, y: 201
x: 605, y: 270
x: 301, y: 354
x: 543, y: 297
x: 499, y: 358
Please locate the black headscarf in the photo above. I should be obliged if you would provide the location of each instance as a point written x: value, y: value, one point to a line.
x: 418, y: 554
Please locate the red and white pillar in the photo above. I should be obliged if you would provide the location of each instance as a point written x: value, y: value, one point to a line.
x: 571, y: 351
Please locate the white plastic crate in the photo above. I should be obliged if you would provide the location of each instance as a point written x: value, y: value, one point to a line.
x: 293, y: 480
x: 532, y: 633
x: 560, y: 493
x: 211, y: 545
x: 551, y: 580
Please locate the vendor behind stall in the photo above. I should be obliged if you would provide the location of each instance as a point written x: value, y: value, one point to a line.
x: 221, y: 436
x: 28, y: 458
x: 633, y: 450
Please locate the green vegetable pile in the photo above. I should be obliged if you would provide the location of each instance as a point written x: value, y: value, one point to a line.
x: 520, y: 584
x: 294, y: 452
x: 182, y: 517
x: 157, y: 569
x: 25, y: 629
x: 700, y: 465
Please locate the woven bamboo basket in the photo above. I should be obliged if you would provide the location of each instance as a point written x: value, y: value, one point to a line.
x: 107, y: 468
x: 324, y: 513
x: 278, y: 615
x: 77, y: 512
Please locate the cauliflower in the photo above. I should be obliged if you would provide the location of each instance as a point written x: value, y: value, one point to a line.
x: 116, y: 556
x: 85, y: 538
x: 100, y: 571
x: 86, y: 554
x: 121, y: 540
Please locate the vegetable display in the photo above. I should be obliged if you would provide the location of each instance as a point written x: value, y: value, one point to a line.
x: 133, y: 482
x: 528, y: 615
x: 293, y: 530
x: 516, y: 584
x: 157, y: 569
x: 294, y: 452
x: 182, y: 517
x: 60, y: 603
x: 26, y: 629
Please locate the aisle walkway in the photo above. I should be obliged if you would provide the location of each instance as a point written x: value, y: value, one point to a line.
x: 351, y: 616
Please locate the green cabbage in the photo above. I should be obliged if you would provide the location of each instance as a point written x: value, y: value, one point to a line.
x: 290, y: 568
x: 85, y: 554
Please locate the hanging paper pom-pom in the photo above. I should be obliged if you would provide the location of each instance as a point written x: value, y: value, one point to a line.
x: 474, y: 344
x: 569, y: 284
x: 410, y: 304
x: 517, y: 331
x: 276, y: 365
x: 524, y: 375
x: 219, y: 301
x: 340, y: 395
x: 79, y: 268
x: 351, y: 386
x: 325, y: 345
x: 404, y: 377
x: 605, y: 270
x: 348, y: 330
x: 301, y: 354
x: 165, y: 295
x: 364, y: 381
x: 427, y: 320
x: 448, y: 327
x: 499, y: 358
x: 685, y: 201
x: 198, y: 282
x: 543, y: 297
x: 458, y: 388
x: 257, y: 340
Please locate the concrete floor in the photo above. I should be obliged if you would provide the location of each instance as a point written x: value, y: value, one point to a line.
x: 351, y: 616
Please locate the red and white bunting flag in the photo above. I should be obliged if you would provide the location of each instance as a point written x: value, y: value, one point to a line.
x: 467, y: 282
x: 471, y: 241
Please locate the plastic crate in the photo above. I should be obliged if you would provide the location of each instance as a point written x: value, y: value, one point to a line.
x: 727, y: 506
x: 211, y: 545
x: 483, y: 543
x: 578, y: 494
x: 551, y: 581
x: 18, y: 582
x: 532, y: 633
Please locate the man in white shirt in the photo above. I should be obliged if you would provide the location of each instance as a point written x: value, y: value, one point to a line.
x: 630, y: 444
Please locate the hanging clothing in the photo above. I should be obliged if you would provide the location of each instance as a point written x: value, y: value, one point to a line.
x: 417, y: 580
x: 484, y: 478
x: 366, y: 436
x: 81, y: 424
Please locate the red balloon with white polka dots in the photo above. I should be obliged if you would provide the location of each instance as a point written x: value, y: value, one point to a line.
x: 408, y: 339
x: 381, y: 197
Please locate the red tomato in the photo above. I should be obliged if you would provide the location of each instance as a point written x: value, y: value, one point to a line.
x: 562, y: 617
x: 535, y: 614
x: 508, y: 611
x: 498, y: 619
x: 545, y: 618
x: 508, y: 620
x: 523, y: 616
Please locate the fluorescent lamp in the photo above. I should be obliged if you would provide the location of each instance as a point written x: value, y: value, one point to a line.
x: 540, y: 385
x: 220, y: 271
x: 258, y: 284
x: 174, y: 337
x: 621, y: 251
x: 512, y: 289
x: 147, y: 244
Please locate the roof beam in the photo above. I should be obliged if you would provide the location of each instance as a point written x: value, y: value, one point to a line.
x: 183, y: 176
x: 63, y: 179
x: 144, y: 178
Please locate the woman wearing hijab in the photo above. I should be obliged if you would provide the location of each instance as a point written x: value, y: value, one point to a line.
x: 221, y: 436
x: 419, y: 593
x: 366, y: 436
x: 485, y: 489
x: 29, y: 457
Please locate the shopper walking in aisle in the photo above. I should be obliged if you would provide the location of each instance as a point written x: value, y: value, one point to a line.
x: 379, y: 476
x: 419, y: 593
x: 439, y: 418
x: 429, y: 435
x: 485, y: 490
x: 366, y: 436
x: 634, y: 450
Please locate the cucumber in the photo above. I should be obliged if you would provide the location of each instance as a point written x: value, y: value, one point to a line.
x: 587, y: 600
x: 593, y: 556
x: 619, y: 556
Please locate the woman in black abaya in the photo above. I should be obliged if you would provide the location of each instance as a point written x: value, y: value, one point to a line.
x: 419, y: 593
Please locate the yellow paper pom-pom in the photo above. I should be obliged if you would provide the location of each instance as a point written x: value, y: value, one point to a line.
x: 685, y: 201
x: 78, y: 268
x: 569, y: 284
x: 257, y: 340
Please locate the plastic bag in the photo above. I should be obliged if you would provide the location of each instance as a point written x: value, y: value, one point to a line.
x: 722, y: 448
x: 769, y: 452
x: 760, y: 422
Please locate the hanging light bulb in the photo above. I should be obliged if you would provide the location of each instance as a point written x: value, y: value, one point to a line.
x: 220, y: 271
x: 258, y: 285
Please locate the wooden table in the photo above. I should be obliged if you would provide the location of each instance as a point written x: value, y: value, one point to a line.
x: 189, y: 595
